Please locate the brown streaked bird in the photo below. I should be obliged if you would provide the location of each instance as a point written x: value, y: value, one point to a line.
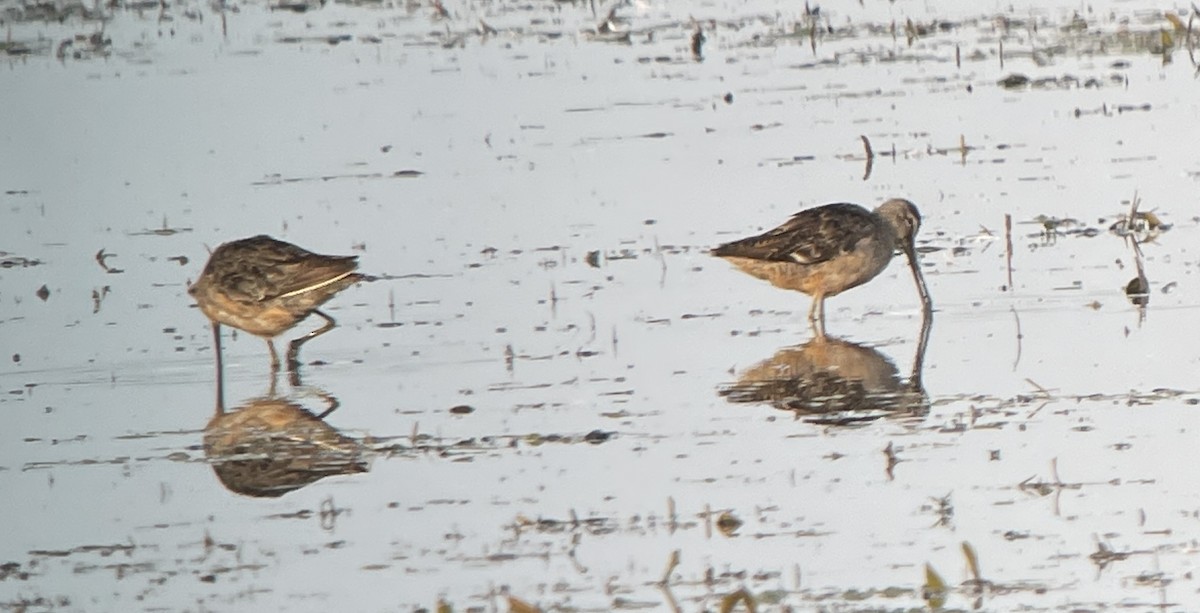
x: 265, y: 287
x: 832, y: 381
x: 829, y: 249
x: 271, y: 446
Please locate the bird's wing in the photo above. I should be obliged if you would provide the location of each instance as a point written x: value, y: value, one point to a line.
x: 808, y: 237
x: 263, y: 268
x: 308, y: 275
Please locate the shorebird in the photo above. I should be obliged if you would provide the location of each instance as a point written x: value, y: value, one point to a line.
x: 271, y: 446
x: 829, y: 249
x: 836, y: 382
x: 265, y: 287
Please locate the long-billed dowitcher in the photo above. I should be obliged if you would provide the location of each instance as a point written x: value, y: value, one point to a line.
x: 266, y: 286
x: 271, y: 446
x: 829, y: 249
x: 836, y: 382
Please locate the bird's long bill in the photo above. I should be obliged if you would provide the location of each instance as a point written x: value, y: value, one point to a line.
x: 910, y: 250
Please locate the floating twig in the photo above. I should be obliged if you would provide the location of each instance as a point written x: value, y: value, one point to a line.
x: 672, y: 563
x: 1039, y: 388
x: 870, y: 156
x: 1017, y: 318
x: 1008, y: 248
x: 892, y: 460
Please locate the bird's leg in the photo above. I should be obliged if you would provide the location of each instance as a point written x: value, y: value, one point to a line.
x: 293, y: 375
x: 216, y: 328
x: 294, y: 347
x: 332, y: 402
x: 816, y: 316
x: 274, y: 357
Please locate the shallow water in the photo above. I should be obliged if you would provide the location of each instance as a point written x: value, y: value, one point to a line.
x: 539, y: 202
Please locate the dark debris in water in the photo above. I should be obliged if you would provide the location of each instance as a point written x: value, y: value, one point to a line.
x: 18, y: 48
x: 596, y: 437
x: 1104, y: 110
x: 1138, y: 291
x: 1054, y: 227
x: 590, y: 525
x: 8, y: 260
x: 1019, y: 81
x: 728, y: 523
x: 420, y: 444
x: 98, y: 296
x: 1144, y: 226
x: 331, y: 40
x: 84, y: 46
x: 165, y: 230
x: 598, y: 139
x: 103, y: 550
x: 13, y: 570
x: 102, y: 260
x: 277, y: 179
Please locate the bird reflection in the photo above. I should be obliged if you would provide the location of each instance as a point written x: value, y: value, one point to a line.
x: 1138, y: 228
x: 1138, y: 288
x: 271, y: 445
x: 835, y: 382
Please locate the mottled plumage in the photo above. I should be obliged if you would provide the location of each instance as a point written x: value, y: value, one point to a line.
x: 265, y: 287
x: 829, y: 249
x: 833, y: 381
x: 271, y: 446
